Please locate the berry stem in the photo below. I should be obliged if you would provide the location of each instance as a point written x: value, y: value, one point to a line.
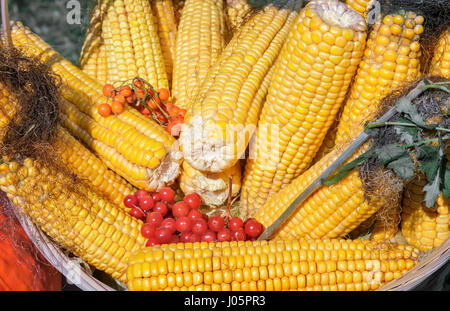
x: 227, y: 215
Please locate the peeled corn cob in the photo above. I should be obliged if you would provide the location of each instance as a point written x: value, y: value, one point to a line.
x: 309, y: 84
x: 328, y: 141
x: 93, y: 63
x: 387, y: 223
x: 237, y: 11
x: 178, y: 9
x: 167, y: 31
x: 93, y: 53
x: 212, y: 187
x: 91, y: 169
x: 130, y: 33
x: 360, y: 6
x: 441, y: 58
x: 330, y: 212
x: 363, y: 229
x: 224, y: 114
x: 267, y: 266
x: 201, y: 38
x: 73, y: 215
x: 391, y: 59
x: 80, y: 161
x: 423, y: 227
x: 136, y: 148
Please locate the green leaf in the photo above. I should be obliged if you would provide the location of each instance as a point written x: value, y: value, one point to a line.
x: 405, y: 106
x: 432, y: 190
x: 347, y: 168
x: 430, y: 162
x: 408, y: 134
x: 426, y: 151
x: 446, y: 189
x: 403, y: 167
x: 389, y: 153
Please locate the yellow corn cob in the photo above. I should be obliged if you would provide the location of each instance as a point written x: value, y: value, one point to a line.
x: 330, y: 212
x: 136, y: 148
x: 94, y: 64
x: 224, y: 114
x: 202, y: 34
x: 93, y: 53
x: 309, y: 84
x: 167, y: 31
x: 391, y: 59
x: 328, y: 141
x: 237, y: 11
x: 73, y: 215
x: 91, y: 169
x: 178, y: 9
x: 423, y: 227
x: 360, y: 6
x: 364, y: 228
x: 133, y: 49
x: 267, y: 266
x: 440, y: 64
x: 212, y: 187
x: 76, y: 157
x: 386, y: 223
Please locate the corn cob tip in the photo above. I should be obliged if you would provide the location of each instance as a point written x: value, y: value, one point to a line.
x: 336, y: 13
x: 213, y: 188
x: 206, y: 145
x: 168, y: 170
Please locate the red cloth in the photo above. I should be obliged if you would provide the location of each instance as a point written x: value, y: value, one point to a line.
x: 22, y: 267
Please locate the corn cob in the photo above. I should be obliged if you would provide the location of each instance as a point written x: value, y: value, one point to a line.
x: 423, y: 227
x: 80, y: 161
x: 178, y: 9
x: 202, y: 37
x: 386, y: 223
x: 73, y: 215
x: 330, y: 212
x: 136, y: 148
x: 363, y: 229
x: 328, y: 141
x: 441, y: 58
x: 267, y: 266
x: 130, y: 33
x: 212, y: 187
x: 309, y: 84
x: 237, y: 11
x: 96, y: 65
x: 93, y: 53
x: 224, y: 114
x: 167, y: 31
x: 360, y: 6
x: 391, y: 59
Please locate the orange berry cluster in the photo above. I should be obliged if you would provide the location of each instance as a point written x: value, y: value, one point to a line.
x: 142, y: 96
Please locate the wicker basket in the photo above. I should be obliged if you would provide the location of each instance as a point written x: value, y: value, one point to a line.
x: 85, y: 281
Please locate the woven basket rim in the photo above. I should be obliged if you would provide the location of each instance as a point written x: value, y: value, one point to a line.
x: 86, y: 282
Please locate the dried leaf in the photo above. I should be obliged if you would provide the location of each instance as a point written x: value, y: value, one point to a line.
x: 403, y: 167
x: 389, y: 153
x: 429, y: 159
x: 347, y: 168
x: 446, y: 190
x: 405, y: 106
x: 432, y: 190
x: 408, y: 134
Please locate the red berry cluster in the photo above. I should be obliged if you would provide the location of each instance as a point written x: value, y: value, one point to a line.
x: 141, y: 96
x: 167, y: 221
